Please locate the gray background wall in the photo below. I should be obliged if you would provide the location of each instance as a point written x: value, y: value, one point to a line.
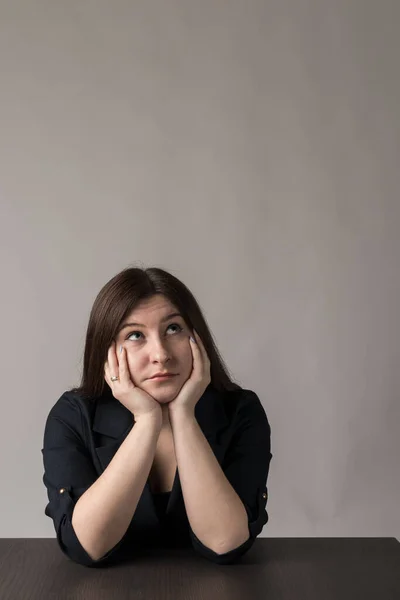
x: 252, y: 149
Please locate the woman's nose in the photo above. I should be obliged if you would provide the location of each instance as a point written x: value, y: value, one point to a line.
x: 160, y: 351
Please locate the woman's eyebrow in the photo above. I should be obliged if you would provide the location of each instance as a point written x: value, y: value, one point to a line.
x: 124, y: 325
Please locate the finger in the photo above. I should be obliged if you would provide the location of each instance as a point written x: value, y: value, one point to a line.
x: 112, y: 361
x: 198, y: 347
x: 107, y: 373
x: 196, y: 352
x: 124, y: 375
x: 197, y: 344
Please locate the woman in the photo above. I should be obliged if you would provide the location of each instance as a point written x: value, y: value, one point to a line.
x: 157, y: 446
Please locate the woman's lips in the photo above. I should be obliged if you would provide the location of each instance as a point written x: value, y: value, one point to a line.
x: 162, y: 377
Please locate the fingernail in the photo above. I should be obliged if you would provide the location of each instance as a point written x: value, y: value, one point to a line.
x: 120, y: 349
x: 192, y: 339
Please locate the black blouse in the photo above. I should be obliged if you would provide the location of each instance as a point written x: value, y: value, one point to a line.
x: 82, y: 435
x: 161, y: 501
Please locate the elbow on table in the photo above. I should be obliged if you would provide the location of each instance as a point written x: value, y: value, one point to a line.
x: 230, y: 547
x: 72, y: 548
x: 224, y: 554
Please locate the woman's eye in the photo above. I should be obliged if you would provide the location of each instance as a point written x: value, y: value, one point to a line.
x: 175, y: 325
x: 140, y: 333
x: 133, y: 333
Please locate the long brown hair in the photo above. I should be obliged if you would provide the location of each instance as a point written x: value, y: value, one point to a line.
x: 113, y: 304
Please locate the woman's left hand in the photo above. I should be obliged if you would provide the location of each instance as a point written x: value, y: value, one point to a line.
x: 194, y: 387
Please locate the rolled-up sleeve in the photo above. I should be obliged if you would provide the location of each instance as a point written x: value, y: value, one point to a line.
x: 246, y: 466
x: 68, y: 473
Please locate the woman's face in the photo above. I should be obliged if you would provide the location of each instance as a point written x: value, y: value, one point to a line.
x: 157, y: 344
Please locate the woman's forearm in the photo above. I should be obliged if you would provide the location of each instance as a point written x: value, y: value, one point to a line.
x: 215, y: 512
x: 103, y: 513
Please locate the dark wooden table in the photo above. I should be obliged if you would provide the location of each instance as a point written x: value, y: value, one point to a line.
x: 273, y: 569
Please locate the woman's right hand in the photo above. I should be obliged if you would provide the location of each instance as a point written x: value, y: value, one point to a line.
x: 136, y: 400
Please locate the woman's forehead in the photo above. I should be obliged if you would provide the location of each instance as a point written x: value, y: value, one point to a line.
x: 154, y: 308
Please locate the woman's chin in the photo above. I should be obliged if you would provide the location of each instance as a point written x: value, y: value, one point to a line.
x: 164, y: 400
x: 163, y: 396
x: 166, y: 391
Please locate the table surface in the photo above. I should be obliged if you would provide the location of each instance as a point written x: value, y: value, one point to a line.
x: 274, y: 568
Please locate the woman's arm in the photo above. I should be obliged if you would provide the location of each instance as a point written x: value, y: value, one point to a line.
x: 103, y: 513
